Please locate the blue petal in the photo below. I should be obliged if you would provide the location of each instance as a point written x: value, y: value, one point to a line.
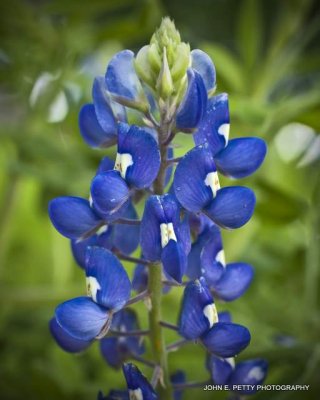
x: 174, y: 260
x: 191, y: 173
x: 221, y: 369
x: 108, y: 282
x: 250, y: 372
x: 73, y: 217
x: 194, y: 265
x: 234, y: 282
x: 102, y: 106
x: 212, y: 257
x: 203, y: 64
x: 232, y: 207
x: 91, y: 130
x: 140, y: 278
x: 137, y: 383
x: 65, y: 341
x: 198, y: 223
x: 214, y: 127
x: 111, y: 353
x: 126, y: 237
x: 242, y: 157
x: 226, y: 339
x: 178, y: 378
x: 224, y: 316
x: 106, y: 164
x: 197, y: 311
x: 121, y: 77
x: 144, y: 152
x: 109, y: 192
x: 194, y: 103
x: 81, y: 318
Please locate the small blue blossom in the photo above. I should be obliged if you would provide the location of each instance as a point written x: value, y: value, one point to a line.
x: 138, y: 386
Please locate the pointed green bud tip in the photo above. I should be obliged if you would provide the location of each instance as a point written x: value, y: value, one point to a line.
x: 166, y: 35
x: 164, y: 83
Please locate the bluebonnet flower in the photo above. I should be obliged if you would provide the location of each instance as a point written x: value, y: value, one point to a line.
x: 164, y: 237
x: 170, y: 89
x: 199, y: 320
x: 108, y: 287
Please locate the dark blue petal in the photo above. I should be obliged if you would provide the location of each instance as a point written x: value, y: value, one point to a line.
x: 65, y: 341
x: 232, y: 207
x: 107, y: 281
x: 138, y: 385
x: 105, y: 165
x: 214, y: 127
x: 73, y: 217
x: 81, y: 318
x: 91, y: 130
x: 221, y: 369
x: 194, y: 265
x: 183, y: 233
x: 242, y: 157
x: 102, y: 106
x: 121, y: 77
x: 198, y: 312
x: 191, y: 179
x: 251, y: 372
x: 109, y: 192
x: 234, y: 282
x: 203, y: 64
x: 79, y: 249
x: 126, y: 237
x: 140, y: 278
x: 140, y: 155
x: 194, y: 103
x: 111, y: 353
x: 198, y: 223
x: 212, y: 257
x: 226, y: 339
x: 174, y: 260
x: 178, y: 378
x: 224, y: 316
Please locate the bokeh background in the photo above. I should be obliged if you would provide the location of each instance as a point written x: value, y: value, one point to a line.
x: 267, y: 57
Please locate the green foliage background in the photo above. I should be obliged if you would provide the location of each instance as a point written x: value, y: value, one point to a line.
x: 267, y: 58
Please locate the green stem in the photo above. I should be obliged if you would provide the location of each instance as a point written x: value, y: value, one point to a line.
x: 155, y: 284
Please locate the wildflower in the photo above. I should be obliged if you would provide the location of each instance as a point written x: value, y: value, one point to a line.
x: 138, y: 385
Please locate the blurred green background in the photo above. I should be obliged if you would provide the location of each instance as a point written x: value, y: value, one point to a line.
x: 267, y: 58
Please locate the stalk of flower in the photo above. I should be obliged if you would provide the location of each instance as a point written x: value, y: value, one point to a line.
x: 173, y: 90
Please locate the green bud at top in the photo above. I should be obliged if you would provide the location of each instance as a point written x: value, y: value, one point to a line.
x: 163, y: 64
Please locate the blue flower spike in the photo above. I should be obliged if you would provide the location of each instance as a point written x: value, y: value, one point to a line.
x: 198, y: 312
x: 197, y: 188
x: 138, y: 385
x: 163, y: 237
x: 203, y: 64
x: 194, y: 103
x: 249, y: 372
x: 73, y: 217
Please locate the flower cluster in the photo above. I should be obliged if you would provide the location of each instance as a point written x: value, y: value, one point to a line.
x: 140, y: 105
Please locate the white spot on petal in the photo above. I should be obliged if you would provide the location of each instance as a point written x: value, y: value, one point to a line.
x: 224, y: 130
x: 231, y: 361
x: 256, y: 373
x: 212, y: 180
x: 92, y: 287
x: 210, y: 312
x: 136, y: 394
x: 123, y: 162
x: 167, y: 233
x: 102, y: 230
x: 220, y: 257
